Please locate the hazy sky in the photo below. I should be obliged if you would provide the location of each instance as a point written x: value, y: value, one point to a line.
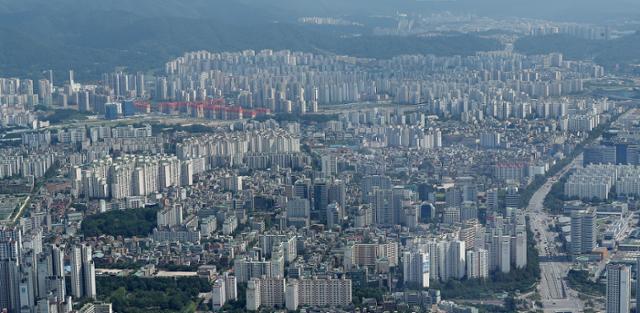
x: 583, y: 10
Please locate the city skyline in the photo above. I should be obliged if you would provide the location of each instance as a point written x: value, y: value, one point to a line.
x: 329, y: 156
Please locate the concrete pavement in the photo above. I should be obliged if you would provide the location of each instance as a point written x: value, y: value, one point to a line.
x: 555, y: 295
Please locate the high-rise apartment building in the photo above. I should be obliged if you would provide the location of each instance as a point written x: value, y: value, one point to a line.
x: 618, y: 289
x: 583, y: 232
x: 83, y: 275
x: 477, y: 263
x: 9, y: 274
x: 265, y: 292
x: 416, y: 267
x: 318, y: 292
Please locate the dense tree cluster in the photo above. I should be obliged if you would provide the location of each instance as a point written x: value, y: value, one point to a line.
x: 127, y: 223
x: 63, y: 115
x: 579, y: 280
x: 145, y: 295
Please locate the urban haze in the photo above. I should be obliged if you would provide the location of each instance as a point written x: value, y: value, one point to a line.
x: 370, y: 156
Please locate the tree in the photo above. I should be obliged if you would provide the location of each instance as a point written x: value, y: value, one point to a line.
x: 127, y: 223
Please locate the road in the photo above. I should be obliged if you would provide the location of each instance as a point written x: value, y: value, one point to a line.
x: 13, y: 218
x: 554, y: 293
x: 496, y: 302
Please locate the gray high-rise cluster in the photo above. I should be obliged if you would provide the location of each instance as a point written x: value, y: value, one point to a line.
x: 33, y: 277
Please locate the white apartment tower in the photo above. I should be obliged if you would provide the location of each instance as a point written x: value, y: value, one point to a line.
x: 83, y: 275
x: 478, y: 263
x: 416, y: 267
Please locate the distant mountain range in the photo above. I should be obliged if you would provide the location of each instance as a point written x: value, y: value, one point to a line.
x: 610, y: 53
x: 95, y: 36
